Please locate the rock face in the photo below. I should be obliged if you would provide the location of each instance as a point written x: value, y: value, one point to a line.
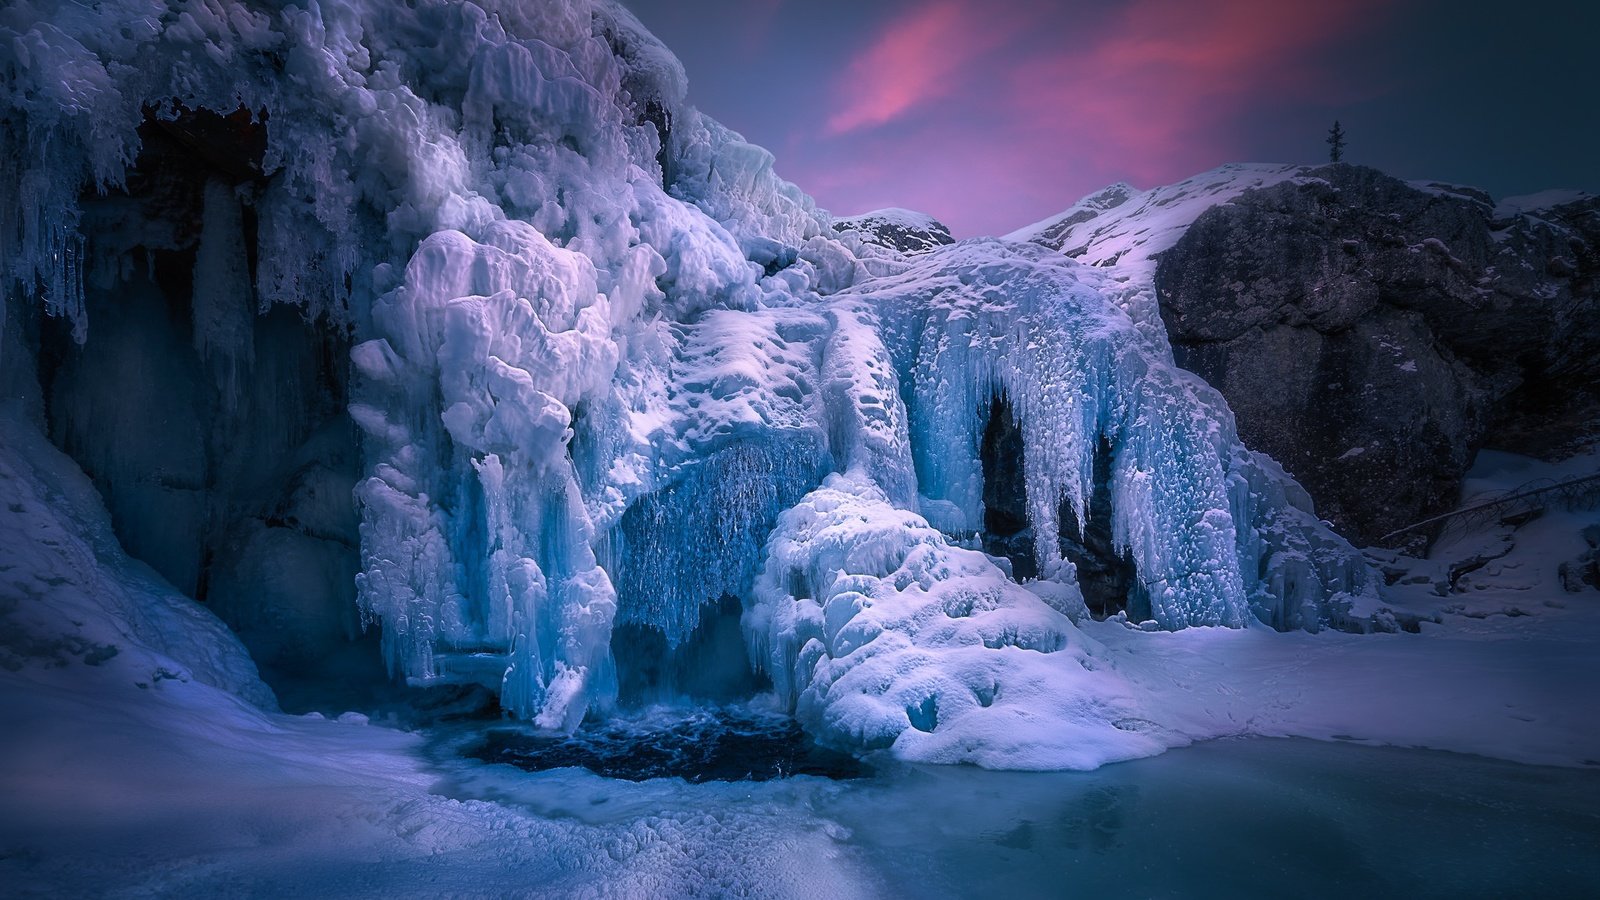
x: 1372, y: 334
x: 1583, y: 572
x: 904, y: 230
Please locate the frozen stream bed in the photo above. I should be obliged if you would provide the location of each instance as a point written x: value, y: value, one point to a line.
x: 1272, y: 817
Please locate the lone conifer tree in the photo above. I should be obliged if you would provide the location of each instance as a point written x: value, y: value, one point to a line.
x: 1335, y: 142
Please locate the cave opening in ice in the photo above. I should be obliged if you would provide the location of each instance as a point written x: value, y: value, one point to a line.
x: 1005, y: 492
x: 212, y: 424
x: 710, y: 665
x: 1105, y: 572
x: 685, y: 556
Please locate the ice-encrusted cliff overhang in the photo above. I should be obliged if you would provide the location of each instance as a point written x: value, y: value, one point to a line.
x: 610, y: 370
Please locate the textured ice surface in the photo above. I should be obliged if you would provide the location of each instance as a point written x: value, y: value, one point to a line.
x: 879, y: 633
x: 609, y: 368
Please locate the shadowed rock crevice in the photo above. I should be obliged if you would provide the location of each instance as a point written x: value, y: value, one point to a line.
x: 1106, y: 576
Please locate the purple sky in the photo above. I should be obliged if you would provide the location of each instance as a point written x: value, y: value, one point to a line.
x: 991, y: 114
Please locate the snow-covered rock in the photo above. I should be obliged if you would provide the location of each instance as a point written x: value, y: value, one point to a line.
x: 1373, y: 335
x: 905, y: 230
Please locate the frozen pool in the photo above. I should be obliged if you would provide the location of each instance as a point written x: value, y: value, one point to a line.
x: 1257, y: 817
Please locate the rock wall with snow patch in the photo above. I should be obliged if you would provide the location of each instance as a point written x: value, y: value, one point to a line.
x: 1371, y: 334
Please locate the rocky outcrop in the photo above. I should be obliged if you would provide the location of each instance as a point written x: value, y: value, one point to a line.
x: 1372, y: 334
x: 904, y: 230
x: 1583, y: 572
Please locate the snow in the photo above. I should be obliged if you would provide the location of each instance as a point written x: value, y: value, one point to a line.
x: 72, y: 597
x: 1123, y: 225
x: 136, y: 760
x: 600, y: 348
x: 1530, y: 204
x: 1123, y: 229
x: 610, y: 370
x: 903, y: 218
x: 878, y: 633
x: 894, y: 229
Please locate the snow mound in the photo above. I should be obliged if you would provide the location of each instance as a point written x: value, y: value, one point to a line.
x: 879, y: 634
x: 70, y: 598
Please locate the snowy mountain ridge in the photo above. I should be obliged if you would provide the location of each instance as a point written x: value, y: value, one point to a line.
x: 1121, y: 225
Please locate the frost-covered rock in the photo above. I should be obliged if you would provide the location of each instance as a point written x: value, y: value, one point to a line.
x: 905, y: 230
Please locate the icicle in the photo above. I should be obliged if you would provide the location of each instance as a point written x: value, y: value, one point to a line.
x: 702, y: 537
x: 223, y: 312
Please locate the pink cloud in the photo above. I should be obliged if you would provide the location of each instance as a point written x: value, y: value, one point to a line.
x: 1004, y: 115
x: 918, y: 58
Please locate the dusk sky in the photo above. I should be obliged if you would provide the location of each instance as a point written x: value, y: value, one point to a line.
x: 992, y: 114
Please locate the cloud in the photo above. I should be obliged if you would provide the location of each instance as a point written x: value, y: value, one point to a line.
x: 992, y: 115
x: 916, y: 59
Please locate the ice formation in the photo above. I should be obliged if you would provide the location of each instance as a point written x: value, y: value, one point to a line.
x: 610, y: 369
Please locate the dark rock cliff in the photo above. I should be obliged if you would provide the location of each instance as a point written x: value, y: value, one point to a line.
x: 1372, y: 334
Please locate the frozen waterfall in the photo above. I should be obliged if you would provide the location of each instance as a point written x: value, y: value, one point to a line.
x: 608, y: 370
